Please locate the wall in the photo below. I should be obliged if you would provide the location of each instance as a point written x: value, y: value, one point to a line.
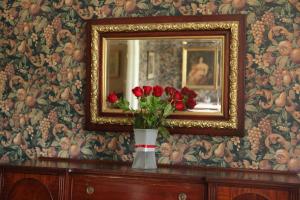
x: 43, y: 77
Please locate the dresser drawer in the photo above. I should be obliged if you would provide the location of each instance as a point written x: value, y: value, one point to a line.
x: 238, y: 193
x: 124, y: 188
x: 24, y: 185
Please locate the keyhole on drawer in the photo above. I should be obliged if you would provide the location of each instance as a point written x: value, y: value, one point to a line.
x: 182, y: 196
x: 90, y: 190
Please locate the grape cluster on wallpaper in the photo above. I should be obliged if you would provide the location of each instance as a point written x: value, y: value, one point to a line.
x: 42, y: 80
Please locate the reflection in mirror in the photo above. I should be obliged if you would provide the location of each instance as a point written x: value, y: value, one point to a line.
x: 196, y: 62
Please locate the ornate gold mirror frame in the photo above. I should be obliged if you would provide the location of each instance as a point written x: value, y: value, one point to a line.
x: 231, y: 27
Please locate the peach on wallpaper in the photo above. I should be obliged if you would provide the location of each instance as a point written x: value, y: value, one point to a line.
x: 42, y: 80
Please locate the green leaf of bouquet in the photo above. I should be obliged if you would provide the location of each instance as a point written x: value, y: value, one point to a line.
x: 167, y: 110
x: 138, y: 121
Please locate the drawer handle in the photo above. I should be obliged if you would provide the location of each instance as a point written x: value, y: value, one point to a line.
x: 90, y: 190
x: 182, y: 196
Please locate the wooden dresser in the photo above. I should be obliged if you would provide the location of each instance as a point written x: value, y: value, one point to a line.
x: 76, y: 180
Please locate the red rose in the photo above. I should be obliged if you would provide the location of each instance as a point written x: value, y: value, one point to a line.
x: 188, y: 92
x: 185, y: 91
x: 177, y: 96
x: 137, y: 91
x: 157, y: 91
x: 190, y: 103
x: 112, y: 98
x: 179, y: 106
x: 170, y: 90
x: 147, y: 90
x: 192, y: 94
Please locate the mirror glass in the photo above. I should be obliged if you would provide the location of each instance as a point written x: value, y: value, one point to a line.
x: 195, y: 62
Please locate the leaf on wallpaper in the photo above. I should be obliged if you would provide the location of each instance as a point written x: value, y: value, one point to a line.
x: 67, y: 60
x: 223, y: 164
x: 218, y: 139
x: 268, y: 71
x: 248, y: 123
x: 225, y: 8
x: 86, y: 151
x: 55, y: 143
x: 35, y: 116
x: 280, y: 2
x: 164, y: 160
x: 19, y: 106
x: 46, y: 49
x: 284, y: 115
x: 269, y: 156
x: 280, y: 167
x: 251, y: 155
x: 253, y: 2
x: 142, y: 5
x: 39, y: 24
x: 70, y: 24
x: 271, y: 49
x: 190, y: 158
x: 59, y: 49
x: 277, y: 109
x: 172, y: 10
x: 42, y: 101
x: 23, y: 14
x: 251, y: 108
x: 251, y: 18
x: 118, y: 11
x: 108, y: 2
x: 165, y: 5
x: 281, y: 61
x: 229, y: 145
x: 251, y: 47
x: 63, y: 154
x: 46, y: 8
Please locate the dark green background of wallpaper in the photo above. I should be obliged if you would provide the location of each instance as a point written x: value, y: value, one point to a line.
x: 42, y: 79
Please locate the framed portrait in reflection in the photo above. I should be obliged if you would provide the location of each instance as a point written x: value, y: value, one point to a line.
x: 200, y: 67
x: 150, y: 64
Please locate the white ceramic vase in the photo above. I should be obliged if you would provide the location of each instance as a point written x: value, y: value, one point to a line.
x: 145, y: 140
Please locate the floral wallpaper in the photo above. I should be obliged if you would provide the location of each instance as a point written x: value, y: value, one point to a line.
x: 42, y: 81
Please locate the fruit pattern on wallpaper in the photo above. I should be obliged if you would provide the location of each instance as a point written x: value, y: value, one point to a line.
x: 42, y: 81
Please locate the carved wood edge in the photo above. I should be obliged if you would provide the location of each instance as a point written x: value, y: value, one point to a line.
x: 174, y: 166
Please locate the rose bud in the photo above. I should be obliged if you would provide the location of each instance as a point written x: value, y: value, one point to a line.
x: 157, y: 91
x: 179, y: 106
x: 170, y: 90
x: 190, y: 103
x: 192, y: 94
x: 177, y: 96
x: 147, y: 90
x: 112, y: 98
x: 137, y: 91
x: 185, y: 91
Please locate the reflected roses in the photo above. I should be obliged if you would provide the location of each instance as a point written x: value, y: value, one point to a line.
x: 155, y: 104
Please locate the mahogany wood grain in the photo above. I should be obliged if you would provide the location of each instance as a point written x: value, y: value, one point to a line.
x: 34, y: 186
x: 247, y: 193
x: 250, y: 197
x: 29, y: 188
x: 69, y: 179
x: 1, y: 182
x: 122, y: 188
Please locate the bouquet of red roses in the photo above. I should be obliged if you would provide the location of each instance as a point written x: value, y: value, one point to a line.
x: 155, y: 104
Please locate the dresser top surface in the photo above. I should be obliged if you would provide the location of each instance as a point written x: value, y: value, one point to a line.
x: 124, y: 169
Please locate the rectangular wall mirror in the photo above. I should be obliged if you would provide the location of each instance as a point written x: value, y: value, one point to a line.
x: 202, y: 53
